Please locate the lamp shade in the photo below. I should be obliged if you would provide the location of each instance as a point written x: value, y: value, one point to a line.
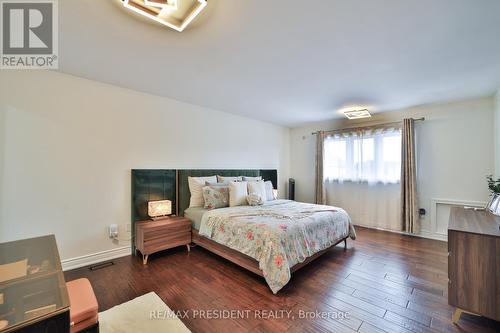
x: 159, y: 208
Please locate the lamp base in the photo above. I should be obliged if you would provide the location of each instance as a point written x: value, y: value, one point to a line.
x: 163, y: 217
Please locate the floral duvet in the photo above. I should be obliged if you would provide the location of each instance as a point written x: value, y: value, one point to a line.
x: 278, y: 235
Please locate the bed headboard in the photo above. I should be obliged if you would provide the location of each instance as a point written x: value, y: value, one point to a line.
x: 150, y: 185
x: 183, y: 187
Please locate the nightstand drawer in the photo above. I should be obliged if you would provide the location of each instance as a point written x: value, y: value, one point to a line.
x: 183, y: 237
x: 165, y: 231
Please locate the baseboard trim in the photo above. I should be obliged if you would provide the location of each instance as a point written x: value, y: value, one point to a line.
x: 94, y: 258
x: 435, y: 236
x: 421, y: 234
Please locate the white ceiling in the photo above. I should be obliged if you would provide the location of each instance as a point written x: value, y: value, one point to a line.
x: 290, y: 61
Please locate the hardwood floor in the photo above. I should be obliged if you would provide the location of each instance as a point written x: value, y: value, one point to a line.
x: 384, y: 282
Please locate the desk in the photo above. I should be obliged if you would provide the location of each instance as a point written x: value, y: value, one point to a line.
x: 36, y: 300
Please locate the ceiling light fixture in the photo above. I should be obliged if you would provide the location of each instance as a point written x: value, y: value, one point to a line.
x: 165, y: 5
x: 357, y: 114
x: 175, y: 14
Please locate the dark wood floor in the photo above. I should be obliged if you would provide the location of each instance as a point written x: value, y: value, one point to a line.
x: 386, y: 282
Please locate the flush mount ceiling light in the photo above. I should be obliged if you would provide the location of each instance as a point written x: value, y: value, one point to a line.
x: 165, y: 5
x: 357, y: 114
x: 175, y: 14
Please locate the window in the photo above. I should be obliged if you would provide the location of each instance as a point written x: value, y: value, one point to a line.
x: 369, y: 156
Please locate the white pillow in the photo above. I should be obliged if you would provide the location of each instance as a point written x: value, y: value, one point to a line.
x: 238, y: 194
x: 258, y: 188
x: 269, y: 190
x: 196, y: 188
x: 227, y: 180
x: 252, y: 179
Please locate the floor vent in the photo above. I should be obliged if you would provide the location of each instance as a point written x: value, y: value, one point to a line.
x: 101, y: 265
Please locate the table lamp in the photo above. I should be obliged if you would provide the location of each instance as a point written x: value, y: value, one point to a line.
x: 159, y: 209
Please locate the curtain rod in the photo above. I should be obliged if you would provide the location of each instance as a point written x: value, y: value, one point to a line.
x: 365, y: 127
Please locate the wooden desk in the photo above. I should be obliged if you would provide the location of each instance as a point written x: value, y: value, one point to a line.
x: 473, y: 258
x: 37, y: 301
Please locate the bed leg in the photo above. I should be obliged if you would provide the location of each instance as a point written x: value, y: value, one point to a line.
x: 345, y: 243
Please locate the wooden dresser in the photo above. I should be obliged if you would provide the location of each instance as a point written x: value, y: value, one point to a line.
x: 473, y: 263
x: 155, y: 236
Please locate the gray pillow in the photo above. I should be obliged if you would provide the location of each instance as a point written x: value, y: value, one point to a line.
x: 228, y: 179
x: 252, y: 179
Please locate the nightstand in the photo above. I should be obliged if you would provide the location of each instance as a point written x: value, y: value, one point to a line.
x: 155, y: 236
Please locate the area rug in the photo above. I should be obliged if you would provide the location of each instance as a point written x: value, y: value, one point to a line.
x: 146, y: 313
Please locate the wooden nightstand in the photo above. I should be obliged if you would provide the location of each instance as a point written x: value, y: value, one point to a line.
x: 155, y: 236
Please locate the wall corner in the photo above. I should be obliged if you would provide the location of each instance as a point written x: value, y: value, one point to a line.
x: 496, y: 132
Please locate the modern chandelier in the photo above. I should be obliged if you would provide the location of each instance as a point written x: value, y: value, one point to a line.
x: 175, y: 14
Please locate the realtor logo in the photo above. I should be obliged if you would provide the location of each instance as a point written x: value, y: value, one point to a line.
x: 29, y: 34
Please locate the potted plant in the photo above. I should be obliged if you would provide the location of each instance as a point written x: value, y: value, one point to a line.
x: 494, y: 186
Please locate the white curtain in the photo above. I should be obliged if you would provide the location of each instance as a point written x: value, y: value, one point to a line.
x: 372, y: 156
x: 362, y: 170
x: 374, y: 206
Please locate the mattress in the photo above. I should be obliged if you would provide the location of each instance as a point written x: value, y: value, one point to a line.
x: 195, y: 214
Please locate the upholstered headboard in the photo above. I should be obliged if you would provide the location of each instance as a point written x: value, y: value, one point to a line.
x: 151, y: 185
x: 183, y: 187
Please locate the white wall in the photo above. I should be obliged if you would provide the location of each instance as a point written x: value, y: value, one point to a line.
x: 455, y: 152
x: 68, y: 145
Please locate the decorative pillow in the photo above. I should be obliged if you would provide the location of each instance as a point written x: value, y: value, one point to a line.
x: 251, y: 179
x: 254, y: 200
x: 258, y: 188
x: 238, y: 194
x: 227, y: 180
x: 269, y: 190
x: 216, y: 196
x: 196, y: 188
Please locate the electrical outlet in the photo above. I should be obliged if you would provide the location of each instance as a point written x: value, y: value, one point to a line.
x: 113, y: 231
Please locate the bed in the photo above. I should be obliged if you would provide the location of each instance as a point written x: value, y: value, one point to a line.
x: 273, y: 240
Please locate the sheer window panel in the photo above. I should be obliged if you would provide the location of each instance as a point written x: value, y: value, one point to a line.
x: 369, y: 206
x: 364, y: 156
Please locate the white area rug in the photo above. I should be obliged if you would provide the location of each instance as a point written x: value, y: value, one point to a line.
x: 146, y: 313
